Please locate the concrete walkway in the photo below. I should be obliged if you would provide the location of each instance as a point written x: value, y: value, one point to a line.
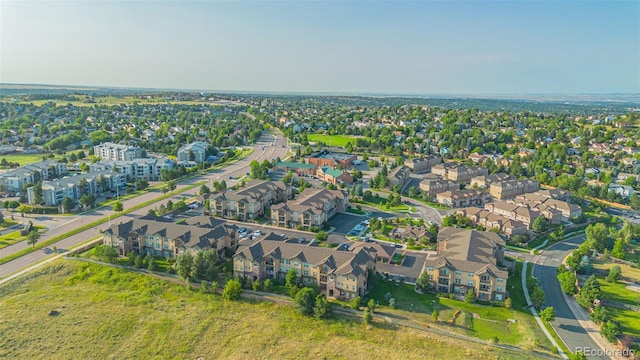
x: 535, y: 313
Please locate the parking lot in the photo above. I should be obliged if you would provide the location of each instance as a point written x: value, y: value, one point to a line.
x: 343, y: 223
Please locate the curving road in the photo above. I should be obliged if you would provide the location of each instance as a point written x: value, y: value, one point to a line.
x: 566, y: 325
x: 268, y: 147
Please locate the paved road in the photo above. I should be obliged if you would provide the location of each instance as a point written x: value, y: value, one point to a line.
x: 269, y: 147
x: 566, y: 325
x: 422, y: 210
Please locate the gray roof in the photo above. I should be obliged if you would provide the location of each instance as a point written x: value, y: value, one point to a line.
x: 311, y: 199
x: 254, y: 189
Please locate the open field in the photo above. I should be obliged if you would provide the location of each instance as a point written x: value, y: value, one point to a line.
x: 334, y: 140
x: 627, y: 271
x: 629, y: 320
x: 107, y: 313
x: 483, y: 322
x: 26, y: 159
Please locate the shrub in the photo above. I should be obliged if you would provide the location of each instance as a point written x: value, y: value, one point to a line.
x: 232, y: 290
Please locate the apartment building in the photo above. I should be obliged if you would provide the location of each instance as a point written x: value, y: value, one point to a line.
x: 510, y: 189
x: 484, y: 181
x: 423, y: 164
x: 15, y: 180
x: 490, y: 220
x: 462, y: 198
x: 74, y: 187
x: 468, y: 260
x: 117, y: 152
x: 458, y: 172
x: 331, y: 159
x: 338, y: 274
x: 434, y: 186
x: 544, y: 203
x: 334, y: 176
x: 310, y: 208
x: 198, y: 149
x: 250, y: 202
x: 140, y: 169
x: 399, y: 176
x: 158, y: 237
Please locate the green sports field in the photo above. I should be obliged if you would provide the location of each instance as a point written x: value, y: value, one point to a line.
x: 334, y: 140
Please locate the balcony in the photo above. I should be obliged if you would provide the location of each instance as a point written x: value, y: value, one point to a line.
x: 443, y: 281
x: 484, y: 280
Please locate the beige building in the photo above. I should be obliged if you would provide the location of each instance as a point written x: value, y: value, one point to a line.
x: 468, y: 260
x: 432, y: 186
x: 399, y: 176
x: 544, y: 203
x: 149, y: 235
x: 510, y: 189
x: 338, y: 274
x: 489, y: 220
x: 423, y: 164
x: 249, y: 202
x: 484, y: 181
x: 458, y: 172
x: 462, y: 198
x: 310, y: 208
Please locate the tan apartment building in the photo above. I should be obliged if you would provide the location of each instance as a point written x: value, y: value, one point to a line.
x: 310, y: 208
x: 399, y: 176
x: 462, y: 198
x: 484, y: 181
x: 250, y: 202
x: 543, y: 203
x: 338, y: 274
x: 423, y: 164
x: 468, y: 260
x: 432, y: 186
x: 458, y: 172
x: 489, y: 220
x: 510, y: 189
x: 158, y: 237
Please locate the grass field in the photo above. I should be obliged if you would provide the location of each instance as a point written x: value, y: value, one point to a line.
x: 380, y: 203
x: 629, y: 320
x: 618, y: 292
x: 334, y: 140
x: 14, y: 237
x: 106, y: 313
x: 26, y: 159
x: 483, y: 322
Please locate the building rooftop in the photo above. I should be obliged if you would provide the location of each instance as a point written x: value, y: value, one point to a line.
x: 295, y: 165
x: 331, y: 155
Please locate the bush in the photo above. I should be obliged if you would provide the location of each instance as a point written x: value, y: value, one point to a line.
x: 508, y: 303
x: 355, y: 303
x: 232, y: 290
x: 367, y: 317
x: 470, y: 297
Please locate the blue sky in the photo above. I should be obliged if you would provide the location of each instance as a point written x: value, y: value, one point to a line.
x: 402, y: 47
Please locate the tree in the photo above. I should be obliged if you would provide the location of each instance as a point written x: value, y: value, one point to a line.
x: 470, y: 297
x: 153, y: 265
x: 32, y: 237
x: 548, y: 314
x: 106, y: 253
x: 291, y: 278
x: 67, y: 204
x: 615, y: 274
x: 392, y: 303
x: 322, y: 236
x: 367, y: 317
x: 434, y: 315
x: 305, y: 301
x: 567, y: 281
x: 142, y: 184
x: 232, y: 290
x: 371, y: 305
x: 355, y: 303
x: 609, y: 330
x: 508, y: 303
x: 423, y: 281
x: 184, y: 264
x: 538, y: 296
x: 87, y: 200
x: 321, y: 310
x: 539, y: 224
x: 204, y: 189
x: 597, y: 236
x: 117, y: 206
x: 589, y: 292
x: 618, y: 249
x: 172, y: 185
x: 599, y: 315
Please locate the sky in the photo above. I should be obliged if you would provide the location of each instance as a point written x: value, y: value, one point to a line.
x: 371, y: 47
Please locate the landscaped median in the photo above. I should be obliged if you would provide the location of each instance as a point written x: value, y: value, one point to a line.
x: 55, y: 239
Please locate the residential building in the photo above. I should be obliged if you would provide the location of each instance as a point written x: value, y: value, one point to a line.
x: 337, y: 274
x: 489, y: 220
x: 484, y: 181
x: 331, y: 159
x: 463, y: 198
x: 297, y: 168
x: 249, y: 202
x: 510, y: 189
x: 15, y: 180
x: 117, y: 152
x: 423, y: 164
x: 198, y: 149
x: 399, y: 176
x: 432, y: 187
x: 625, y: 191
x: 334, y: 176
x: 149, y: 169
x: 468, y: 260
x: 53, y: 192
x: 544, y: 203
x: 417, y: 233
x: 158, y: 237
x: 312, y: 207
x: 382, y: 253
x: 458, y: 172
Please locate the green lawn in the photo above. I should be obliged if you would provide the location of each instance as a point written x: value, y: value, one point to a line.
x: 14, y: 237
x: 334, y: 140
x: 380, y: 203
x: 356, y: 211
x: 629, y: 320
x: 26, y: 159
x: 618, y: 292
x: 105, y: 312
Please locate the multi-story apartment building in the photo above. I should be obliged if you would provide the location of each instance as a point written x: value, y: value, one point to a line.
x: 484, y: 181
x: 399, y: 176
x: 468, y: 260
x: 462, y: 198
x: 458, y: 172
x: 117, y: 152
x: 74, y: 187
x: 15, y: 180
x: 140, y: 169
x: 544, y: 203
x: 149, y: 235
x: 249, y: 202
x: 434, y: 186
x: 198, y: 149
x: 334, y: 176
x: 423, y: 164
x: 490, y: 220
x: 510, y: 189
x: 310, y: 208
x: 331, y: 159
x: 338, y: 274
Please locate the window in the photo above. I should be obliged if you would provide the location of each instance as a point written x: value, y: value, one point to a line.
x: 444, y: 272
x: 430, y: 277
x: 305, y: 264
x: 305, y: 273
x: 287, y: 261
x: 470, y: 283
x: 470, y: 274
x: 458, y: 272
x: 457, y: 281
x: 429, y: 268
x: 295, y: 263
x: 499, y: 288
x: 500, y: 280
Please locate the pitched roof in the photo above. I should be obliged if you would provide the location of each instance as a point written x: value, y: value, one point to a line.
x: 311, y: 199
x: 295, y: 165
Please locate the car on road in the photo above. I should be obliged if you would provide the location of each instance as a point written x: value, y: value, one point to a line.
x: 257, y: 233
